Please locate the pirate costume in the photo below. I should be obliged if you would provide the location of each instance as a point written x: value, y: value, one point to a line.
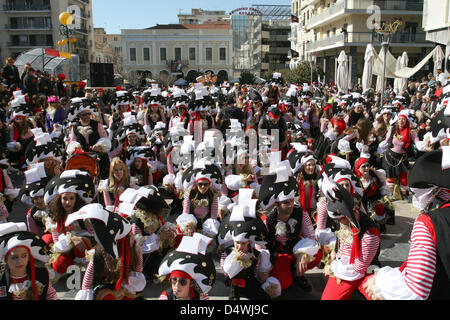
x: 19, y: 141
x: 425, y: 273
x: 144, y: 175
x: 64, y: 253
x: 395, y: 154
x: 203, y: 206
x: 357, y: 243
x: 35, y: 284
x: 288, y: 241
x: 85, y: 137
x: 190, y: 261
x: 129, y: 127
x: 114, y: 272
x: 144, y: 208
x: 35, y: 181
x: 248, y: 274
x: 152, y: 97
x: 375, y: 198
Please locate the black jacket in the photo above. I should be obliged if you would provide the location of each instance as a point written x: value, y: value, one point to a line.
x: 11, y: 74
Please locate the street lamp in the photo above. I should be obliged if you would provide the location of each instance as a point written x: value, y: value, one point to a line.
x: 386, y: 31
x: 66, y: 19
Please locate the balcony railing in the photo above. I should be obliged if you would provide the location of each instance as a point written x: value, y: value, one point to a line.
x: 29, y: 44
x: 26, y: 7
x: 184, y: 63
x: 325, y: 14
x: 367, y: 37
x: 399, y: 5
x: 21, y: 26
x: 343, y: 6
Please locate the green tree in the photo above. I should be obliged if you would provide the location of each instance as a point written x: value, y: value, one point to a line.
x: 247, y: 77
x: 302, y: 73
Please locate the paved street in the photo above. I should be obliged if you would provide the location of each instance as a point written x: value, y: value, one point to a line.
x: 394, y: 250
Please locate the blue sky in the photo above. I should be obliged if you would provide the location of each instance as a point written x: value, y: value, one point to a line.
x: 114, y: 15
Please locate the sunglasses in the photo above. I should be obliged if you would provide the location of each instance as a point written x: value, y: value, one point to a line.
x: 364, y: 166
x: 181, y: 281
x: 203, y: 184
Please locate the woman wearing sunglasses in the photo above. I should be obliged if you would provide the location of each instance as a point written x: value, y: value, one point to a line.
x: 202, y: 197
x: 375, y: 198
x: 192, y: 275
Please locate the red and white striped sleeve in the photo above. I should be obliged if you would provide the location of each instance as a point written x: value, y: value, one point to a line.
x: 140, y: 263
x: 88, y: 276
x: 51, y: 293
x: 163, y: 296
x: 187, y: 201
x: 55, y: 236
x: 307, y: 227
x: 214, y: 208
x: 421, y: 263
x: 222, y: 261
x: 322, y: 214
x: 135, y: 229
x: 369, y: 247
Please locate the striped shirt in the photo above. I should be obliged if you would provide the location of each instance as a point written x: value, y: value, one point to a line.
x: 368, y: 247
x: 187, y: 205
x: 420, y: 267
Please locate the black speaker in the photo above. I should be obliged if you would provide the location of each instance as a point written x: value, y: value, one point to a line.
x: 102, y: 74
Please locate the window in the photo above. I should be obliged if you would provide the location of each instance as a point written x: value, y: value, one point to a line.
x: 177, y: 53
x: 191, y: 54
x: 132, y: 54
x: 208, y: 54
x: 146, y: 54
x: 223, y: 54
x: 162, y: 54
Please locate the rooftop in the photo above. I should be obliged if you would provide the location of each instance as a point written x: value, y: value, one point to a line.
x: 211, y: 25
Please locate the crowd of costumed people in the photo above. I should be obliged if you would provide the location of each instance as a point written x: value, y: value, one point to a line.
x: 143, y: 186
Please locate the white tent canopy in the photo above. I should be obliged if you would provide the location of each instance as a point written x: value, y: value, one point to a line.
x: 342, y: 72
x: 400, y: 84
x: 397, y: 71
x: 369, y: 58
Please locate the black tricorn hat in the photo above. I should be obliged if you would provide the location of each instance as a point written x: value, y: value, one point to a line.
x: 108, y: 227
x: 340, y: 202
x: 440, y: 122
x: 153, y: 201
x: 428, y: 172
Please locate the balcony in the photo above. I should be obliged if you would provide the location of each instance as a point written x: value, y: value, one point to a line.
x: 33, y: 26
x: 363, y: 38
x: 326, y: 43
x: 28, y: 44
x: 327, y: 15
x: 342, y: 8
x: 26, y: 7
x: 184, y: 63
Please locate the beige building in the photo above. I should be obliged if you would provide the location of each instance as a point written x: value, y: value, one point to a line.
x: 29, y: 24
x: 107, y: 48
x: 176, y: 49
x: 320, y: 29
x: 200, y: 16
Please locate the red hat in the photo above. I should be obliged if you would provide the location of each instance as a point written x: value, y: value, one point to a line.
x: 101, y: 89
x: 358, y: 164
x: 118, y: 88
x: 61, y: 76
x: 82, y: 84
